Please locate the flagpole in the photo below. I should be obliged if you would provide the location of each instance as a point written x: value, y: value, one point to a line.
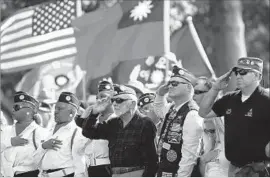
x: 166, y: 31
x: 199, y: 45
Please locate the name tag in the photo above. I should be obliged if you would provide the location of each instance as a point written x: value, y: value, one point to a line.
x: 166, y: 146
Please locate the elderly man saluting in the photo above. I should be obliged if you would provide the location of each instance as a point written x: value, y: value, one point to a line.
x: 131, y: 136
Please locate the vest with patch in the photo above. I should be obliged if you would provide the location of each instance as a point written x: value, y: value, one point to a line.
x: 170, y: 142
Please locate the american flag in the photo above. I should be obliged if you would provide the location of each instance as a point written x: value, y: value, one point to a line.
x: 38, y: 35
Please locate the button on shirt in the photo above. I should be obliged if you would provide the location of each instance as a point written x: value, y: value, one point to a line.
x: 192, y: 133
x: 64, y: 157
x: 130, y: 146
x: 20, y: 158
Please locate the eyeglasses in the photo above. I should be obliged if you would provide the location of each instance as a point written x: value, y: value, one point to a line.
x: 175, y: 83
x: 19, y: 107
x: 198, y: 92
x: 118, y: 100
x: 241, y: 72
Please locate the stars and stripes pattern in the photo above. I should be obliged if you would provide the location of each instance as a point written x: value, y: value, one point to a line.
x: 38, y: 35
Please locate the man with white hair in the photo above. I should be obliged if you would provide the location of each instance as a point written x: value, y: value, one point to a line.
x: 131, y: 136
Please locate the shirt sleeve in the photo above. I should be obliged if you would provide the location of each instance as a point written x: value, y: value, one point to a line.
x: 161, y: 106
x: 149, y: 150
x: 93, y: 130
x: 219, y: 106
x: 79, y: 121
x: 192, y: 133
x: 5, y: 137
x: 78, y: 149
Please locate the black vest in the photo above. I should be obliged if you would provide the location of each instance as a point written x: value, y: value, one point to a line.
x: 170, y: 142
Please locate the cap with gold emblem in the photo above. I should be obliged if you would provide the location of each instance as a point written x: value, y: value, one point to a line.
x: 69, y: 98
x: 21, y: 96
x: 121, y: 90
x: 252, y: 63
x: 146, y: 99
x: 105, y: 86
x: 184, y: 74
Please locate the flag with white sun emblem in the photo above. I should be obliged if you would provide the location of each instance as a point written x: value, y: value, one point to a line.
x: 130, y: 30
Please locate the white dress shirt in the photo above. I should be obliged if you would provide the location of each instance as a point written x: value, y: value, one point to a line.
x: 20, y: 158
x: 192, y: 133
x: 64, y: 157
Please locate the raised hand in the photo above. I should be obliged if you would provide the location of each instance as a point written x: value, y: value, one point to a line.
x: 18, y: 141
x: 101, y: 105
x: 223, y: 81
x: 163, y: 89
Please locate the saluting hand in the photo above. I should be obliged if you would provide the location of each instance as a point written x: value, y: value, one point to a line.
x: 223, y: 81
x: 101, y: 105
x: 18, y: 141
x: 163, y: 89
x: 52, y: 144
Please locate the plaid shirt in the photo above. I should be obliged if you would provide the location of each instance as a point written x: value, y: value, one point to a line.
x: 129, y: 146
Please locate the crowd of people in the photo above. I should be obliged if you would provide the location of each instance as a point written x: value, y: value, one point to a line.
x: 186, y: 128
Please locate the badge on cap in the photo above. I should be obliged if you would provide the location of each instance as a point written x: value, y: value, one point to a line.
x: 21, y: 97
x: 252, y: 63
x: 171, y: 155
x: 107, y: 87
x: 141, y: 103
x: 181, y: 72
x: 68, y: 98
x: 122, y: 88
x: 146, y: 100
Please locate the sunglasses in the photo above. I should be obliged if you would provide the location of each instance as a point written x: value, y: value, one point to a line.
x: 19, y: 107
x: 211, y: 131
x: 198, y: 92
x: 118, y: 100
x: 241, y: 71
x: 175, y: 83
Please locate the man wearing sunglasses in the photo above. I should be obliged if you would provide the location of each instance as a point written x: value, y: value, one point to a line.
x: 182, y: 126
x: 130, y: 135
x: 246, y: 114
x: 97, y: 151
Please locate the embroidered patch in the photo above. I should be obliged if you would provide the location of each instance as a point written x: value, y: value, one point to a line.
x: 175, y: 127
x: 229, y: 111
x: 249, y: 113
x: 176, y: 139
x: 171, y: 155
